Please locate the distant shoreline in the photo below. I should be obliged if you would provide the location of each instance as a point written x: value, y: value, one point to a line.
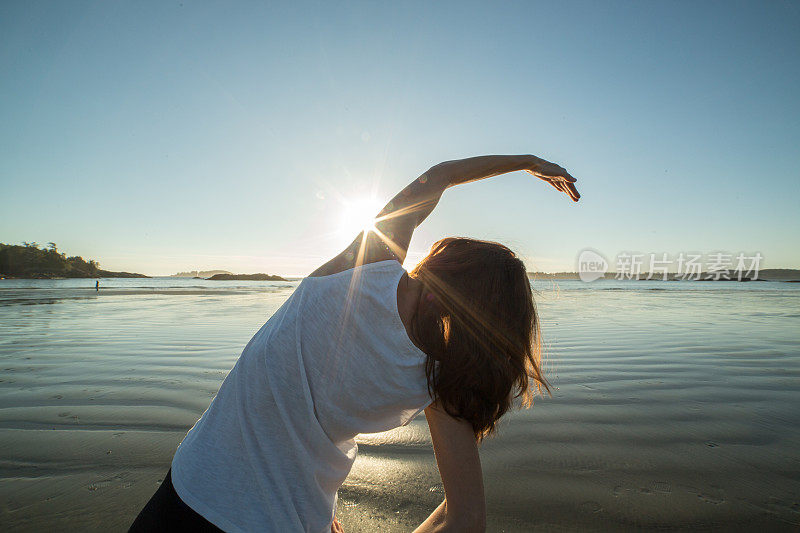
x: 29, y: 261
x: 246, y: 277
x: 100, y: 274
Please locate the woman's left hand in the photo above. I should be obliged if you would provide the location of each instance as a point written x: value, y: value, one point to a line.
x: 336, y: 527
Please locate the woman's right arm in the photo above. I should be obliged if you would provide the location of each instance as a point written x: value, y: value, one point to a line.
x: 456, y: 450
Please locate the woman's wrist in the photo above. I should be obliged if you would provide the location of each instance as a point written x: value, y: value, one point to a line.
x: 534, y: 163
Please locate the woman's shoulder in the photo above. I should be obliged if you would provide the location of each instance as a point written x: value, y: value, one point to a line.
x: 362, y: 252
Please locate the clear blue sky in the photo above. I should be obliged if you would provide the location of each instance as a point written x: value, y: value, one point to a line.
x: 166, y: 136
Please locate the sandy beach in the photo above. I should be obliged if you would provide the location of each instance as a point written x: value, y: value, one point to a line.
x: 675, y: 407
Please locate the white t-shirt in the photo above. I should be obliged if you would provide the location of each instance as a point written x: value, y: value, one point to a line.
x: 276, y: 443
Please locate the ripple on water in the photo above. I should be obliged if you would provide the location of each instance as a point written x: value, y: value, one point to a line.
x: 664, y: 402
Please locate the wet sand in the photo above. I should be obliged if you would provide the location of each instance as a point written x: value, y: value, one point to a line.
x: 673, y: 409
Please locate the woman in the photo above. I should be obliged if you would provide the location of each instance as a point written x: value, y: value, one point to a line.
x: 361, y: 346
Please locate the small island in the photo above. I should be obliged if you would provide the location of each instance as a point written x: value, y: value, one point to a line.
x: 248, y: 277
x: 199, y: 274
x: 29, y: 261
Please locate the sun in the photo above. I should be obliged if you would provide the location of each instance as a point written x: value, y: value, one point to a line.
x: 358, y: 214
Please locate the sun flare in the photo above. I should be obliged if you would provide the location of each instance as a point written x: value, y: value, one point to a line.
x: 358, y: 214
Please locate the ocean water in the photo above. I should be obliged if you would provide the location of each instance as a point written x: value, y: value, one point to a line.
x: 675, y: 404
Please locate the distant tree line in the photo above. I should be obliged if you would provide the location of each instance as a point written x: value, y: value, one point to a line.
x: 32, y: 261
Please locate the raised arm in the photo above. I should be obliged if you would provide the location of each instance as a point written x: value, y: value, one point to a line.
x: 395, y: 224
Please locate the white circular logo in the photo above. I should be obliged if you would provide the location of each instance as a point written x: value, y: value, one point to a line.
x: 591, y: 265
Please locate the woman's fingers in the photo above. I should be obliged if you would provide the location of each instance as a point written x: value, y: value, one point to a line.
x: 573, y: 192
x: 566, y: 187
x: 560, y: 172
x: 560, y: 179
x: 567, y: 191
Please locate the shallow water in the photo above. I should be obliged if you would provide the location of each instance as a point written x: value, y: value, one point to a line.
x: 675, y: 406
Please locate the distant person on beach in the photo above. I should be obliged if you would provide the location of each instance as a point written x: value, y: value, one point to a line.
x: 362, y: 346
x: 97, y: 285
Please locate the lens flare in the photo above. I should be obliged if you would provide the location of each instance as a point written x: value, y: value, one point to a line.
x: 359, y: 215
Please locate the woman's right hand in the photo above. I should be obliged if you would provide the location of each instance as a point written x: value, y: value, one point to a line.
x: 556, y: 176
x: 336, y: 527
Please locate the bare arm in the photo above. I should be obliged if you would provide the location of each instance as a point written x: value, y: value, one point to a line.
x: 396, y: 222
x: 464, y: 507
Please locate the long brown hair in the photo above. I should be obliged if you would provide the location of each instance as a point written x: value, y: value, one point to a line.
x: 477, y: 323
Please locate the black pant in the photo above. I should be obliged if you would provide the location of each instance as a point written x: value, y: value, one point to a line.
x: 167, y: 512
